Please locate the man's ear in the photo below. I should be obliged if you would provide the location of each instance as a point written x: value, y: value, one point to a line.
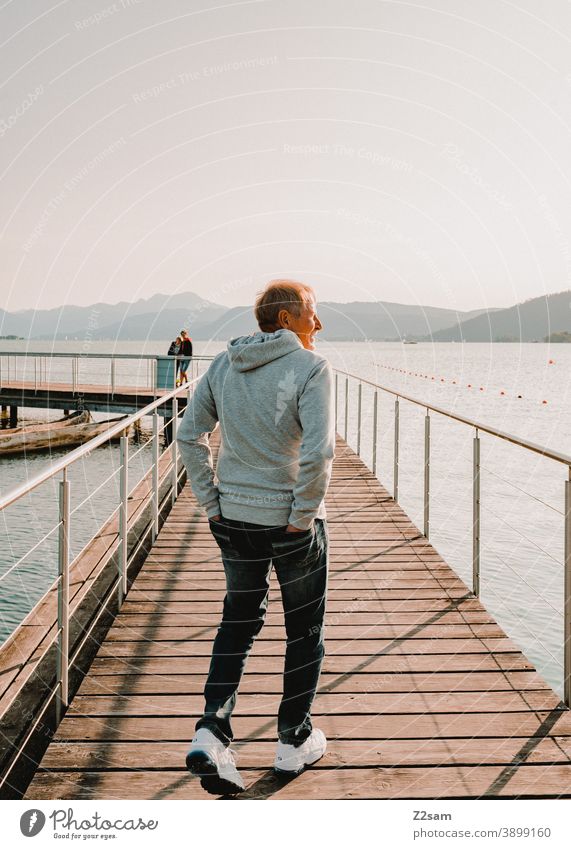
x: 283, y: 318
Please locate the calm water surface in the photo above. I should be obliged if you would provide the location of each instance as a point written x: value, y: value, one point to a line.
x: 522, y: 493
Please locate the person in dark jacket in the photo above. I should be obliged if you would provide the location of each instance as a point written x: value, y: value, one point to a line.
x: 185, y: 351
x: 173, y: 351
x: 174, y: 347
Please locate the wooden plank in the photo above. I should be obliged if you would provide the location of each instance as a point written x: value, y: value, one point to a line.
x: 349, y: 726
x: 192, y: 648
x: 397, y: 682
x: 447, y: 782
x: 327, y: 703
x: 336, y: 664
x: 389, y: 563
x: 260, y: 754
x: 157, y: 631
x: 367, y: 602
x: 450, y: 594
x: 217, y: 581
x: 169, y: 616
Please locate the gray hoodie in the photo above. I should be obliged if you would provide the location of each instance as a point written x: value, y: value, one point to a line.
x: 274, y: 401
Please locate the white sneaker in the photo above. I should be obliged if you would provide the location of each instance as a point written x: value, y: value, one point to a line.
x: 214, y: 763
x: 293, y: 759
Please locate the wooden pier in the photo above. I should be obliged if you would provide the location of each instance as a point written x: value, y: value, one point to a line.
x: 63, y: 396
x: 422, y: 694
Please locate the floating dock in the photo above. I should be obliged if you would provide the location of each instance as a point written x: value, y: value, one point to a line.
x: 422, y: 694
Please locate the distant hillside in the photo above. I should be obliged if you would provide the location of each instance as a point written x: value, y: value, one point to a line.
x: 111, y: 321
x: 161, y: 317
x: 357, y: 320
x: 530, y: 321
x: 562, y: 336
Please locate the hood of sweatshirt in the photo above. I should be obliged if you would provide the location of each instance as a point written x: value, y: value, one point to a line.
x: 250, y: 352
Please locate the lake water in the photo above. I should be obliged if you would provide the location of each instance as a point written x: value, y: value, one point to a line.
x: 521, y: 389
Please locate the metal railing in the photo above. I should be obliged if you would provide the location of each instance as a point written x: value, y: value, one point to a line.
x: 344, y: 377
x: 36, y: 368
x: 169, y: 403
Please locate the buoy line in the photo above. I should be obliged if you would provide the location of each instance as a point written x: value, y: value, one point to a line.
x: 449, y: 380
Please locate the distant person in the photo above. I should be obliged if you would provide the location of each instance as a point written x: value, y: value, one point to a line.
x: 173, y: 351
x: 272, y: 394
x: 185, y: 351
x: 174, y: 347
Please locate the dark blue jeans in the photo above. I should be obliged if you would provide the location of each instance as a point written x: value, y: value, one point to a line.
x: 300, y: 559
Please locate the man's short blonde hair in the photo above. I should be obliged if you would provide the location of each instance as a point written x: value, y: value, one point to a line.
x: 279, y: 295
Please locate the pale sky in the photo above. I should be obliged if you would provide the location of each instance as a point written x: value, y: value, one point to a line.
x: 380, y: 150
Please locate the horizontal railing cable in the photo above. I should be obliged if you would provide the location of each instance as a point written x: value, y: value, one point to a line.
x: 100, y: 486
x: 522, y: 535
x: 27, y: 554
x: 17, y: 492
x: 522, y: 622
x: 525, y: 492
x: 484, y: 428
x: 496, y: 556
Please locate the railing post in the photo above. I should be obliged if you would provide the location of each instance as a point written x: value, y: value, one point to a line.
x: 155, y: 374
x: 359, y: 405
x: 374, y: 464
x: 123, y: 517
x: 155, y: 474
x: 427, y: 475
x: 567, y: 597
x: 476, y: 517
x: 62, y: 669
x: 346, y: 406
x: 336, y: 398
x: 396, y: 453
x: 174, y: 449
x: 112, y: 377
x: 35, y: 374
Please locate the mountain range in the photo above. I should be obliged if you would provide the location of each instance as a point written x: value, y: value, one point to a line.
x: 161, y: 317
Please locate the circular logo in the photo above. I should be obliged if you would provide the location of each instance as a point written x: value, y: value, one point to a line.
x: 32, y: 822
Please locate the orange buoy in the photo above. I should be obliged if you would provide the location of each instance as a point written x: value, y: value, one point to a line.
x: 481, y: 388
x: 544, y: 402
x: 469, y: 386
x: 502, y: 392
x: 551, y: 362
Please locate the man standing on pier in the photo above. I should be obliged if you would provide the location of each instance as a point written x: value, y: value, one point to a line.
x: 272, y: 395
